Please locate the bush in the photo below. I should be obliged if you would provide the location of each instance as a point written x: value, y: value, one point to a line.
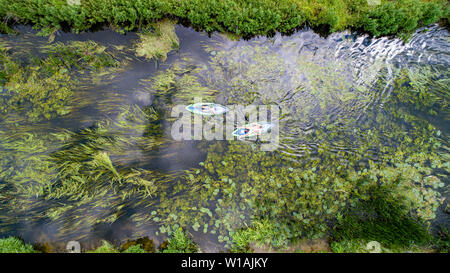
x: 180, y: 243
x: 15, y: 245
x: 245, y: 18
x: 404, y: 16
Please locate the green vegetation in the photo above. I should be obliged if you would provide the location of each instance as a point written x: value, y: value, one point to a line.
x: 340, y: 156
x: 15, y: 245
x: 4, y: 28
x: 179, y: 243
x: 157, y: 43
x: 442, y: 242
x: 135, y: 249
x: 81, y: 55
x: 42, y: 88
x: 140, y: 245
x: 425, y: 88
x: 244, y: 18
x: 383, y: 218
x: 287, y: 199
x: 37, y: 91
x: 262, y: 232
x: 106, y: 247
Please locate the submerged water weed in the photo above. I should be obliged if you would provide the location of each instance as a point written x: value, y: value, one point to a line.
x: 306, y: 87
x: 244, y: 18
x: 75, y: 172
x: 384, y: 217
x: 442, y: 242
x: 426, y: 88
x: 262, y: 232
x: 157, y: 43
x: 86, y: 159
x: 336, y: 145
x: 42, y: 88
x: 78, y: 54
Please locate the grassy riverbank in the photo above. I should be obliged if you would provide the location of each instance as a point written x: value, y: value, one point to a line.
x: 385, y: 186
x: 244, y: 18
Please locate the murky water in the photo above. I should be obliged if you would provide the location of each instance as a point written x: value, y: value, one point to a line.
x: 334, y: 93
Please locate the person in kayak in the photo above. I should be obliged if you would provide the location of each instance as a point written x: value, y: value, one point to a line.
x: 205, y: 108
x: 243, y: 131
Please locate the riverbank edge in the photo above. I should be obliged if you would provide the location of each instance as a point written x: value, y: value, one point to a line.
x: 243, y: 19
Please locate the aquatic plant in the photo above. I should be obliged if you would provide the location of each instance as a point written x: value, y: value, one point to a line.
x: 32, y: 90
x: 129, y: 247
x: 179, y: 243
x: 244, y: 18
x: 335, y: 149
x: 140, y: 245
x: 393, y: 17
x: 424, y: 87
x: 42, y: 88
x: 159, y: 42
x: 87, y: 159
x: 15, y: 245
x: 442, y: 240
x: 4, y: 28
x: 78, y: 168
x: 238, y: 186
x: 381, y: 217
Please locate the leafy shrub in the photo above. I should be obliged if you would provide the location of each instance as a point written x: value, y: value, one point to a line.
x: 140, y: 245
x: 404, y: 16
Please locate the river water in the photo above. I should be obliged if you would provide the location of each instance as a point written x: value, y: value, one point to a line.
x: 337, y: 100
